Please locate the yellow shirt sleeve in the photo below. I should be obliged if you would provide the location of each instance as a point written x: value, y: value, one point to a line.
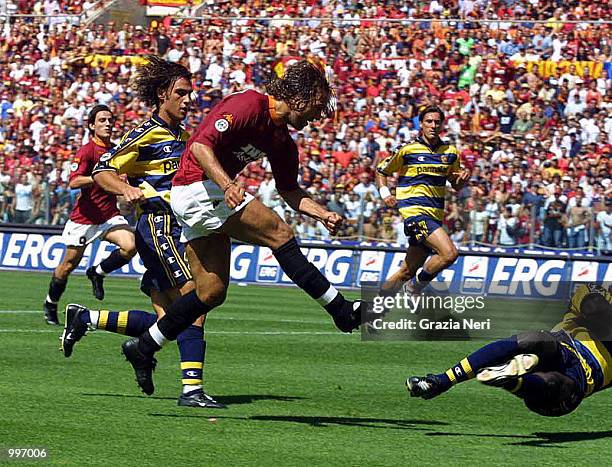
x: 121, y: 158
x: 391, y: 164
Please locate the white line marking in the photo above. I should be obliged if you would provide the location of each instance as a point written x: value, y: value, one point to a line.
x: 213, y: 317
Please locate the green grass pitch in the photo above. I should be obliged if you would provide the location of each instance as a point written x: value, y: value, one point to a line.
x: 300, y: 393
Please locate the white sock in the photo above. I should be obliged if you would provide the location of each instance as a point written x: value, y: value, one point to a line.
x: 48, y: 300
x: 99, y: 270
x: 328, y: 296
x: 94, y: 317
x: 191, y: 387
x: 157, y: 336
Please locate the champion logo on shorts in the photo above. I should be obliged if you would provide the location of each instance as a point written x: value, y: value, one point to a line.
x: 221, y: 125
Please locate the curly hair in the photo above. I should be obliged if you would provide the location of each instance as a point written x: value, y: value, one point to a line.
x: 157, y: 75
x: 301, y: 84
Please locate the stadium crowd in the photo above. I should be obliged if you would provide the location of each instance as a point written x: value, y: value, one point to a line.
x: 528, y: 105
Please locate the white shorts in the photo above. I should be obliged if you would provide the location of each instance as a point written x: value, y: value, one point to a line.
x: 83, y: 234
x: 201, y: 209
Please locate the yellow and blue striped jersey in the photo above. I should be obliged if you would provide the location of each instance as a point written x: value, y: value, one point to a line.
x: 422, y: 174
x: 594, y: 355
x: 149, y: 155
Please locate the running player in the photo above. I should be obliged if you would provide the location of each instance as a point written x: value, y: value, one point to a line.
x: 423, y: 167
x: 149, y: 156
x: 94, y: 216
x: 212, y: 207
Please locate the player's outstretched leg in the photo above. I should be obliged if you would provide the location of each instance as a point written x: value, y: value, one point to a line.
x: 347, y: 315
x: 116, y: 260
x: 259, y: 225
x: 79, y: 319
x: 491, y: 354
x: 192, y: 349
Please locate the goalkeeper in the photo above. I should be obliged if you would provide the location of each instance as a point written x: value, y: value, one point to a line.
x: 552, y: 371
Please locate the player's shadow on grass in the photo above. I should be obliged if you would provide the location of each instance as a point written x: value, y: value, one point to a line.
x: 384, y: 423
x: 129, y: 396
x: 228, y: 400
x: 538, y: 438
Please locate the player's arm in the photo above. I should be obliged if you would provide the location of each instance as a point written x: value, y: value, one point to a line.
x: 386, y: 168
x: 111, y: 182
x: 384, y: 191
x: 106, y: 172
x: 234, y: 191
x: 300, y: 201
x: 80, y: 181
x: 80, y: 169
x: 285, y: 167
x: 458, y: 176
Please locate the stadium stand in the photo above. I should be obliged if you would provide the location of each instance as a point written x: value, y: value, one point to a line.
x: 527, y: 96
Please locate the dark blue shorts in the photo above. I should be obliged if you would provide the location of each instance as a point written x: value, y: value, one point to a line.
x: 161, y: 251
x: 418, y: 228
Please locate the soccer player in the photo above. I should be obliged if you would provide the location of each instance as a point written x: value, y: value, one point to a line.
x: 423, y: 167
x: 95, y: 215
x: 212, y: 207
x: 551, y: 371
x: 149, y: 156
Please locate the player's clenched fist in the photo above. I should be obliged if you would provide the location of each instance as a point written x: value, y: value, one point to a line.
x: 333, y: 222
x: 133, y: 195
x: 234, y: 194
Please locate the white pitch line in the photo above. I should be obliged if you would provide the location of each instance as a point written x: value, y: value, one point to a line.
x: 214, y: 317
x: 254, y: 333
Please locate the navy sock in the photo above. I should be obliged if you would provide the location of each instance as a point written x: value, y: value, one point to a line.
x: 424, y: 276
x: 495, y: 353
x: 192, y: 348
x: 138, y: 322
x: 56, y: 289
x: 307, y: 277
x: 113, y: 262
x: 181, y: 314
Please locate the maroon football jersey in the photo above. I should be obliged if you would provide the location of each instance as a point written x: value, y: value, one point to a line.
x: 241, y: 129
x: 94, y: 205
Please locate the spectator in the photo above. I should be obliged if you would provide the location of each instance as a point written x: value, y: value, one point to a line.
x: 505, y: 234
x: 578, y: 218
x: 553, y: 224
x: 603, y: 228
x: 23, y: 202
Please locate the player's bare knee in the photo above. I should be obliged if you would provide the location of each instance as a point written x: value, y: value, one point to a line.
x: 128, y: 251
x: 449, y: 255
x: 213, y: 296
